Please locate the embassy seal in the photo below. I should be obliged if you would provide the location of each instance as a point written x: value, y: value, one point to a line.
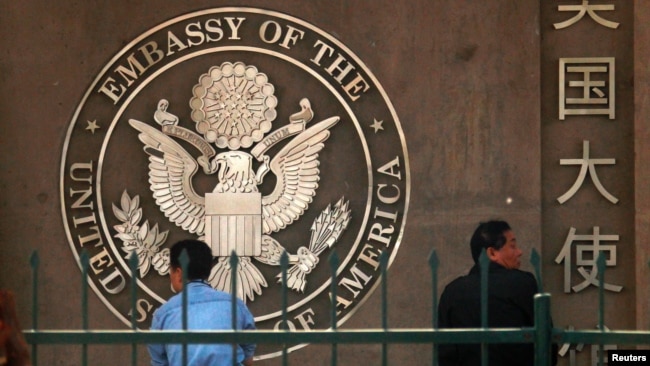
x: 253, y: 131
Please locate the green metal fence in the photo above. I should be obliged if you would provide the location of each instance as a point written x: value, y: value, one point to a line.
x: 542, y: 335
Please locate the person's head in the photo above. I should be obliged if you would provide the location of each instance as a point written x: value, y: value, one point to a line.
x: 499, y: 242
x: 198, y: 267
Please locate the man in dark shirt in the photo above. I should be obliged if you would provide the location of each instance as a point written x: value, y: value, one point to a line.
x: 510, y: 300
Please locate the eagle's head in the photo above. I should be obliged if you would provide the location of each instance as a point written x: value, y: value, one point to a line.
x: 235, y: 172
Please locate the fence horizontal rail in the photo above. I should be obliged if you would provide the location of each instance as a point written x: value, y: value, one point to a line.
x: 358, y: 336
x: 601, y: 337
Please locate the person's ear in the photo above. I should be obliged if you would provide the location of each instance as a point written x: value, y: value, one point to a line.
x: 176, y: 278
x: 175, y: 271
x: 491, y: 253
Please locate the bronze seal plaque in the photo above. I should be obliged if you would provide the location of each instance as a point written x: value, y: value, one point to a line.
x: 249, y: 129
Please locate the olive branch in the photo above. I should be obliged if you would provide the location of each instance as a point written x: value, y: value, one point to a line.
x: 143, y: 241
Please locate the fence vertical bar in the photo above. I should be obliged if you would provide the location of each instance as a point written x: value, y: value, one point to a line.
x: 284, y: 264
x: 184, y: 259
x: 133, y: 265
x: 34, y: 261
x: 334, y: 264
x: 536, y: 262
x: 433, y: 264
x: 542, y: 329
x: 484, y: 263
x: 84, y: 303
x: 543, y: 325
x: 383, y: 261
x: 600, y: 263
x: 234, y: 261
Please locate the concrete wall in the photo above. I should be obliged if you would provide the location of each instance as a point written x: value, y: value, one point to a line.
x: 471, y: 86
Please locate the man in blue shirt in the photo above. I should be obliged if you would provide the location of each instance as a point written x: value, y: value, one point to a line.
x: 208, y: 309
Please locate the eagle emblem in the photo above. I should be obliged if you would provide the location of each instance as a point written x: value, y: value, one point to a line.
x: 233, y: 107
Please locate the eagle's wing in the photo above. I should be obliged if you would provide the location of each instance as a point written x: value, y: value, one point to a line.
x: 296, y: 170
x: 171, y: 169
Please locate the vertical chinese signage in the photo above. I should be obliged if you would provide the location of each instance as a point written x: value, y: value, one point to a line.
x: 588, y: 164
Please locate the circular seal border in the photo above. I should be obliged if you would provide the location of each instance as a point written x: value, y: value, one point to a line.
x: 66, y: 171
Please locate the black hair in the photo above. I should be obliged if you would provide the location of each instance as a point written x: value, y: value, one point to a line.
x: 199, y: 254
x: 490, y: 234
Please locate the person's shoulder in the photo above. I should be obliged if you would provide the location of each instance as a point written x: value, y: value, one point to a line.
x: 458, y: 280
x: 457, y: 283
x: 168, y: 306
x: 523, y: 274
x: 222, y: 297
x: 218, y: 294
x: 523, y: 277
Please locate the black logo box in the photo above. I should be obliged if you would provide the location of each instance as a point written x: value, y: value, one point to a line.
x: 628, y: 357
